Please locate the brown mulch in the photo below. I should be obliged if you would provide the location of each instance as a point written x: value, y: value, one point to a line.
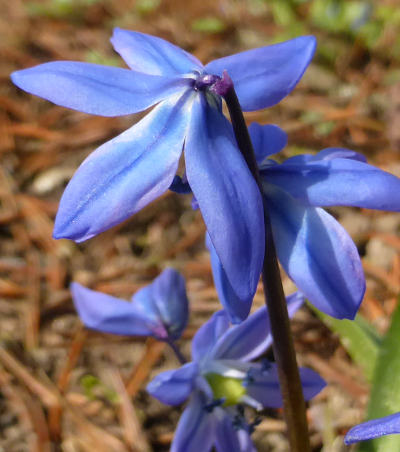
x: 65, y: 388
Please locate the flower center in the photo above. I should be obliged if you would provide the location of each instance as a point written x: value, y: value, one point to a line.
x: 204, y: 81
x: 227, y: 388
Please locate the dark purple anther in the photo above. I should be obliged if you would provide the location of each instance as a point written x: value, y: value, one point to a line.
x: 205, y: 81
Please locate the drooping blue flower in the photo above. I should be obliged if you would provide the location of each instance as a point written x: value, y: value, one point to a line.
x: 221, y: 380
x: 159, y: 309
x: 313, y: 248
x: 133, y: 169
x: 375, y: 428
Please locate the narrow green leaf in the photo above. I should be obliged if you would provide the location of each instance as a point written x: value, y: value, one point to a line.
x: 359, y: 338
x: 385, y: 391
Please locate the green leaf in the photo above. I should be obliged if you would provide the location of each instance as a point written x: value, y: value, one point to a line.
x: 147, y: 6
x: 208, y: 25
x: 385, y: 391
x: 359, y: 338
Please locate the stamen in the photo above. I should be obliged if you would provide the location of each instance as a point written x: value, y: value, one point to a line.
x: 205, y: 81
x: 215, y: 403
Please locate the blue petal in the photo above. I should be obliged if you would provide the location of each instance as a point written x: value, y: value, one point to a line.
x: 267, y: 140
x: 95, y: 89
x: 173, y: 387
x: 264, y: 76
x: 336, y: 181
x: 125, y: 174
x: 334, y: 153
x: 105, y: 313
x: 228, y: 197
x: 165, y: 301
x: 208, y: 334
x: 252, y: 337
x: 231, y: 439
x: 236, y: 308
x: 169, y: 294
x: 263, y: 385
x: 375, y: 428
x: 152, y: 55
x: 196, y: 428
x: 317, y: 253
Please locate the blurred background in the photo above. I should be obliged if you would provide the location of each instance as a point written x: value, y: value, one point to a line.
x: 63, y: 388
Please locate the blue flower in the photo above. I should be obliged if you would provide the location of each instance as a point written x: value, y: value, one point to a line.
x: 375, y: 428
x: 221, y: 380
x: 159, y: 309
x: 133, y: 169
x: 313, y: 248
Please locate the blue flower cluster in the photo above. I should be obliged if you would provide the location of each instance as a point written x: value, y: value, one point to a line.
x: 128, y: 172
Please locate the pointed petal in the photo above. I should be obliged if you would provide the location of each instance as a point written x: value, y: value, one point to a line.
x: 152, y: 55
x: 334, y: 153
x: 264, y: 387
x: 236, y: 308
x: 173, y: 387
x: 228, y: 197
x: 165, y: 301
x: 375, y: 428
x: 169, y: 294
x: 229, y: 438
x: 252, y: 337
x: 264, y: 76
x: 267, y: 140
x: 96, y: 89
x: 196, y: 428
x: 108, y: 314
x: 125, y: 174
x: 332, y: 181
x: 207, y: 335
x: 317, y: 253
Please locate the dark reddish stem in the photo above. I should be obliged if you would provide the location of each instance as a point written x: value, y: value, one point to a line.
x: 283, y: 347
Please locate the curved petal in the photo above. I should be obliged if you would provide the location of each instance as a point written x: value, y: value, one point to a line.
x: 263, y: 385
x: 375, y: 428
x: 229, y: 438
x: 267, y: 140
x: 228, y: 197
x: 236, y: 308
x: 207, y: 335
x: 108, y: 314
x: 337, y: 182
x: 173, y: 387
x: 165, y: 301
x: 334, y: 153
x: 169, y: 294
x: 252, y: 337
x: 196, y: 428
x: 325, y: 154
x: 95, y: 89
x: 125, y: 174
x: 264, y: 76
x: 152, y: 55
x: 317, y: 253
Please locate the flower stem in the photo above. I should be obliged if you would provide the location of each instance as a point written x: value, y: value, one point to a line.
x: 283, y: 347
x: 177, y: 351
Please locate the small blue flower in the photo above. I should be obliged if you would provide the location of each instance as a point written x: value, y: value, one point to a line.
x: 131, y: 170
x: 375, y: 428
x: 159, y: 309
x: 313, y: 248
x: 221, y: 380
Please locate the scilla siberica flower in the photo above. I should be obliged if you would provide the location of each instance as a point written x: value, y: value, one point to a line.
x: 159, y: 309
x: 374, y: 428
x: 313, y: 248
x: 221, y: 380
x: 133, y: 169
